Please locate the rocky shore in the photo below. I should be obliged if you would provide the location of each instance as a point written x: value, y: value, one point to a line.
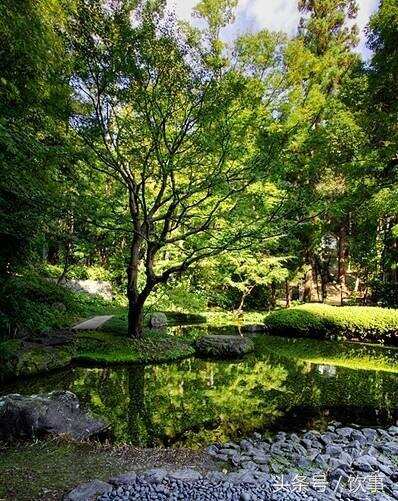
x: 348, y: 463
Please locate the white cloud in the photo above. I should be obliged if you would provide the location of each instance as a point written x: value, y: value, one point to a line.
x: 275, y: 14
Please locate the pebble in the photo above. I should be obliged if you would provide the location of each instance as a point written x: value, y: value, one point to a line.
x: 341, y: 453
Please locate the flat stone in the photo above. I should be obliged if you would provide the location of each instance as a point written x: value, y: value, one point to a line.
x: 393, y: 430
x: 124, y: 479
x: 185, y: 474
x: 333, y: 450
x: 370, y: 433
x: 155, y: 475
x: 391, y: 447
x: 92, y: 323
x: 88, y: 492
x: 241, y: 476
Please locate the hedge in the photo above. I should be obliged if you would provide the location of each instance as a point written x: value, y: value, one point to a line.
x: 362, y: 323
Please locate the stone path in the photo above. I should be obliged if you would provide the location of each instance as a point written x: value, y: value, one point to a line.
x: 92, y: 323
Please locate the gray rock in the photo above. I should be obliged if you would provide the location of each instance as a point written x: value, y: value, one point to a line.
x: 158, y: 320
x: 241, y: 476
x: 333, y: 450
x: 249, y: 465
x: 344, y: 432
x: 362, y: 464
x: 358, y: 436
x: 385, y: 469
x: 391, y: 448
x: 124, y: 479
x: 57, y: 412
x: 185, y: 474
x: 88, y: 492
x: 328, y: 438
x: 370, y: 433
x: 338, y: 474
x: 215, y: 476
x: 228, y: 452
x: 155, y: 475
x: 220, y: 346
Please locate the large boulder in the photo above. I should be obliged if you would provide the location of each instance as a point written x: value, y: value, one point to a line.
x: 57, y: 412
x: 158, y: 320
x: 95, y: 287
x: 218, y: 346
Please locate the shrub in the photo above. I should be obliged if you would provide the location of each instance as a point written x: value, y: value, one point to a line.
x: 362, y: 323
x: 385, y: 293
x: 30, y: 304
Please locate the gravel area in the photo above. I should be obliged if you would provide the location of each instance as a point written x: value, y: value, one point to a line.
x: 349, y: 463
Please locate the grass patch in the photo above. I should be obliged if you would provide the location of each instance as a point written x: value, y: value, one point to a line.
x: 46, y: 470
x: 349, y: 355
x: 321, y: 321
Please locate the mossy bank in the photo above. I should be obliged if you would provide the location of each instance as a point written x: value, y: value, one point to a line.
x: 21, y: 359
x: 359, y: 323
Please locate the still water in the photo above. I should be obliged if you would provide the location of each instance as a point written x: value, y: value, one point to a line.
x: 195, y: 402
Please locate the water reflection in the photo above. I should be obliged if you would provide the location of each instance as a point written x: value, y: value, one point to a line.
x: 195, y: 402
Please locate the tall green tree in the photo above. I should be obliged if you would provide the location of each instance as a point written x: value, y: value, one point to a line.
x: 34, y: 96
x: 170, y: 120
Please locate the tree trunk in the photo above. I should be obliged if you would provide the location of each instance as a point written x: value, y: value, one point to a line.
x: 288, y: 294
x: 136, y: 301
x: 307, y: 295
x: 243, y: 298
x: 342, y: 256
x: 273, y: 296
x: 135, y: 317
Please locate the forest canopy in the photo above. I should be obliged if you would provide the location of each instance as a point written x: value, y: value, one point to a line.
x: 188, y: 167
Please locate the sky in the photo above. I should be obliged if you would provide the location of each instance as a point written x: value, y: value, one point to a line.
x: 279, y: 15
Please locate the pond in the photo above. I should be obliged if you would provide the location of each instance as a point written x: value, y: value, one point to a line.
x: 195, y: 402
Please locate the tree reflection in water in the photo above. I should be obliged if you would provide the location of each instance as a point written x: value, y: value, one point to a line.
x: 195, y: 402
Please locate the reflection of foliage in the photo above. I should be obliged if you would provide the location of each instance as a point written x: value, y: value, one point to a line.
x: 226, y: 399
x: 196, y: 402
x: 352, y: 356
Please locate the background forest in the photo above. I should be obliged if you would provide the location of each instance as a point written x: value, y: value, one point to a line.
x: 191, y: 172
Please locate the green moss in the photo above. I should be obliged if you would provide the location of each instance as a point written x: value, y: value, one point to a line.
x: 350, y: 355
x: 349, y: 322
x: 107, y: 348
x: 18, y: 359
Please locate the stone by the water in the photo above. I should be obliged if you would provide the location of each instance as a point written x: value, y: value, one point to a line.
x: 223, y: 347
x: 55, y: 413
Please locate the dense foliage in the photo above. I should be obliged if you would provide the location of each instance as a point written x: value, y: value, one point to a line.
x: 231, y: 173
